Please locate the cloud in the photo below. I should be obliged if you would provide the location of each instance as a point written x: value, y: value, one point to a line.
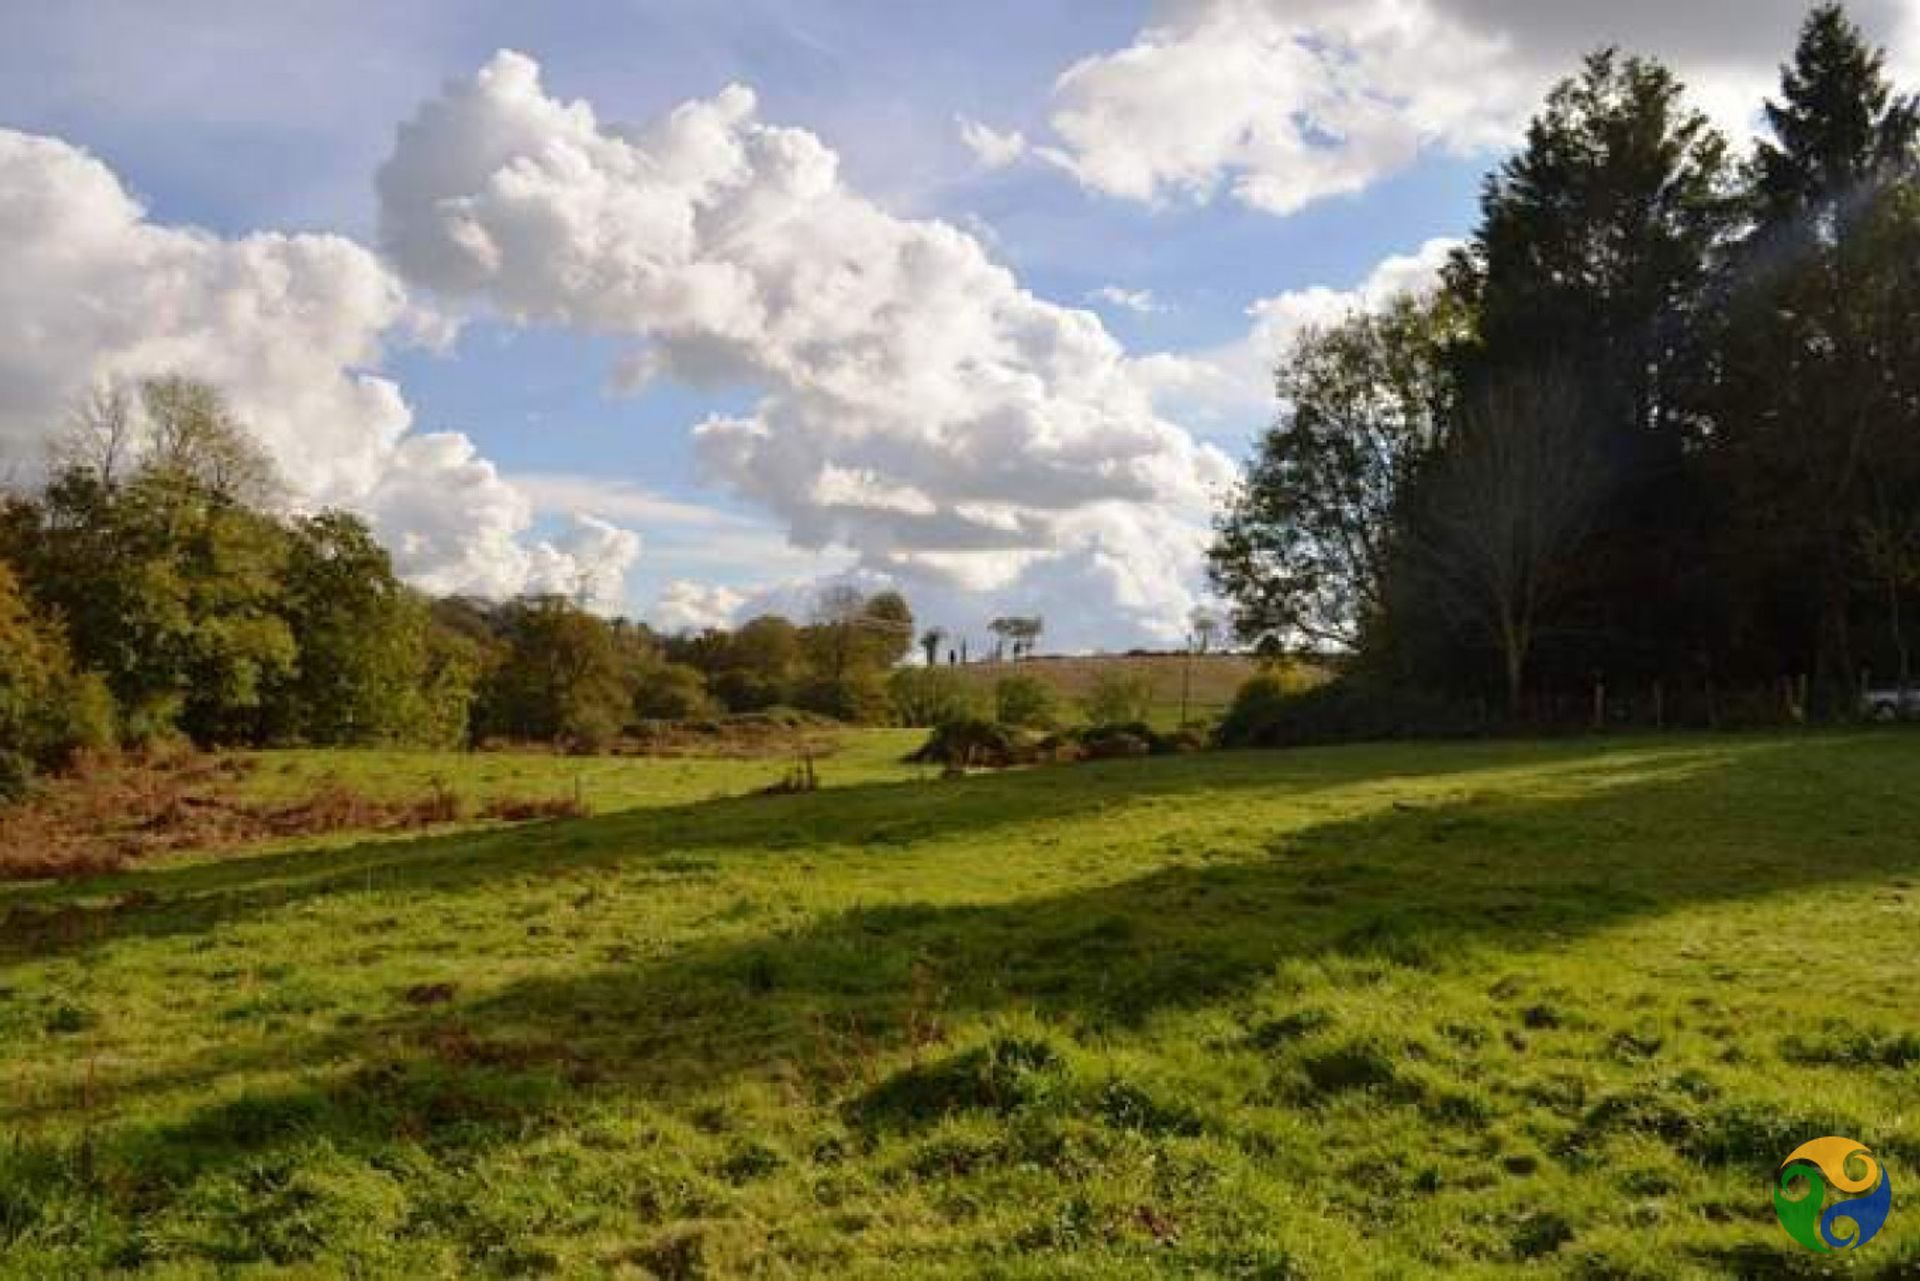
x: 291, y: 328
x: 918, y: 405
x: 684, y: 606
x: 992, y: 148
x: 1139, y: 301
x: 1284, y: 102
x: 1235, y: 382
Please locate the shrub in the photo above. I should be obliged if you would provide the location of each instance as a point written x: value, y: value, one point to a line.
x: 972, y: 742
x: 1136, y: 738
x: 1119, y: 698
x: 741, y: 690
x: 1024, y: 700
x: 923, y: 696
x: 856, y: 698
x: 16, y: 775
x: 1112, y: 743
x: 48, y: 712
x: 83, y: 718
x: 1268, y: 712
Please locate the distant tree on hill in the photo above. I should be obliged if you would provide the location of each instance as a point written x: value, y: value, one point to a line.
x: 1203, y: 628
x: 1016, y: 635
x: 930, y: 642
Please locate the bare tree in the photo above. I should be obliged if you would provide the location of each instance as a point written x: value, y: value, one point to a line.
x: 1889, y: 558
x: 102, y: 435
x: 1507, y: 507
x: 1203, y: 628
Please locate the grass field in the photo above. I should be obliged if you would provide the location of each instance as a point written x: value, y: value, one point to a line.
x: 1208, y: 681
x: 1387, y: 1011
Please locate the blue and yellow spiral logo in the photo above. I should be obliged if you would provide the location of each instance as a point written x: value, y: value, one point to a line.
x: 1832, y: 1194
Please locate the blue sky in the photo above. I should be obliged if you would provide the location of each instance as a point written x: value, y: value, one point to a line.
x: 1139, y: 171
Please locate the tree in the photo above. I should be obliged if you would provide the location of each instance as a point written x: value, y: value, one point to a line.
x: 366, y: 670
x: 47, y: 710
x: 1003, y: 632
x: 759, y: 666
x: 930, y: 642
x: 1017, y: 635
x: 193, y: 436
x: 102, y: 437
x: 1203, y: 628
x: 888, y: 624
x: 558, y: 679
x: 1301, y: 549
x: 671, y: 692
x: 1594, y: 257
x: 1817, y: 388
x: 1838, y: 129
x: 1503, y: 515
x: 847, y: 647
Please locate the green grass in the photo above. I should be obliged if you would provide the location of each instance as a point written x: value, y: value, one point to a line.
x: 606, y: 783
x: 1392, y: 1011
x: 1184, y: 690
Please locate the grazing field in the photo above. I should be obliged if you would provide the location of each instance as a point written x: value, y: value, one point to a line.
x: 1389, y: 1011
x: 1214, y: 680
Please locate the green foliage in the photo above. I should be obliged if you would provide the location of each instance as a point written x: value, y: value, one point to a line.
x: 366, y: 672
x: 924, y: 696
x: 1119, y: 698
x: 759, y: 665
x: 1655, y: 428
x: 558, y: 677
x: 48, y: 711
x: 1303, y: 546
x: 1273, y: 711
x: 672, y: 692
x: 1025, y: 700
x: 970, y: 742
x: 857, y: 696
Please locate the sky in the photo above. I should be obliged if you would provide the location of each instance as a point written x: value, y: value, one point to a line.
x: 689, y: 309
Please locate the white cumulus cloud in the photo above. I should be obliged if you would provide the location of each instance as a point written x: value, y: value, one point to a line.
x: 1285, y: 102
x: 292, y: 328
x: 686, y: 606
x: 918, y: 405
x: 1235, y: 381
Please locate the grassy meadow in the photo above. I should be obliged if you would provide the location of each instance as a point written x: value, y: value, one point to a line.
x: 1208, y: 681
x: 1384, y: 1011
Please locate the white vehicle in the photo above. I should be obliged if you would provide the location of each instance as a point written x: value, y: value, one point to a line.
x: 1891, y: 704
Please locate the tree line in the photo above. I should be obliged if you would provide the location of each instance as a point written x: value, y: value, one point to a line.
x: 154, y: 587
x: 1659, y: 424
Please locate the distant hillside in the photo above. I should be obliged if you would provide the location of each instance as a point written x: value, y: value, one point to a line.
x: 1215, y: 677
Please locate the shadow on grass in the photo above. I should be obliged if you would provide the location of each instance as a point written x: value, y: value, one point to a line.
x: 1397, y: 888
x: 173, y: 898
